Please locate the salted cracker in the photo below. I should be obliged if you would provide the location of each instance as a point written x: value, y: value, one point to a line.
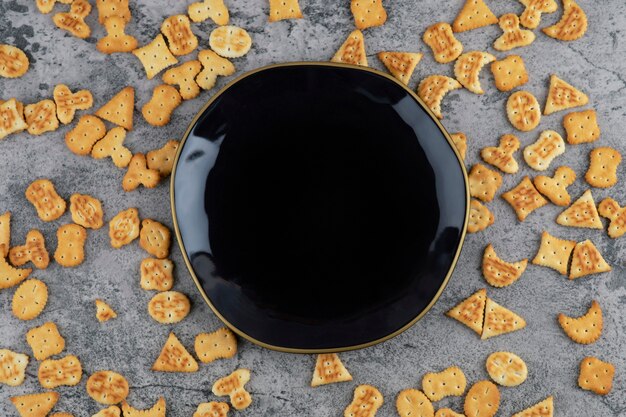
x: 413, y: 403
x: 467, y: 69
x: 433, y: 88
x: 329, y: 370
x: 35, y: 405
x: 29, y: 299
x: 531, y: 16
x: 41, y: 117
x: 524, y: 199
x: 113, y: 8
x: 523, y: 111
x: 124, y: 227
x: 112, y: 145
x: 89, y: 130
x: 86, y: 211
x: 5, y: 236
x: 482, y: 400
x: 162, y: 159
x: 65, y: 371
x: 174, y: 357
x: 596, y: 375
x: 138, y: 174
x: 582, y: 213
x: 12, y: 367
x: 10, y: 276
x: 555, y: 188
x: 180, y: 38
x: 107, y: 387
x: 562, y: 95
x: 473, y: 15
x: 587, y: 260
x: 184, y: 76
x: 33, y: 250
x: 573, y: 23
x: 220, y: 344
x: 352, y: 50
x: 156, y: 274
x: 157, y: 410
x: 483, y: 182
x: 155, y: 238
x: 230, y: 41
x: 104, y: 312
x: 499, y: 273
x: 509, y: 73
x: 602, y: 172
x: 501, y: 156
x: 11, y: 118
x: 74, y: 20
x: 46, y: 6
x: 13, y: 61
x: 67, y: 102
x: 365, y: 403
x: 440, y: 38
x: 213, y: 66
x: 540, y: 154
x: 116, y: 39
x: 112, y: 411
x: 543, y: 408
x: 581, y: 127
x: 169, y: 307
x: 155, y: 56
x: 49, y: 205
x: 446, y: 412
x: 70, y: 250
x: 212, y: 409
x: 216, y: 10
x: 513, y: 36
x: 233, y: 385
x: 367, y: 13
x: 284, y: 9
x: 480, y: 217
x: 119, y: 109
x: 610, y: 209
x: 499, y: 320
x: 585, y: 329
x: 506, y: 369
x: 460, y: 143
x: 554, y: 252
x: 471, y: 311
x: 400, y: 64
x: 158, y: 111
x: 449, y: 382
x: 45, y: 341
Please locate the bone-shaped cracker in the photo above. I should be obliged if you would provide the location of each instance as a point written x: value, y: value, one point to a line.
x: 49, y: 205
x: 433, y: 88
x: 502, y: 155
x: 163, y: 102
x: 540, y: 154
x: 440, y: 38
x: 233, y: 385
x: 449, y: 382
x: 138, y: 173
x: 70, y: 250
x: 67, y: 102
x: 89, y: 130
x: 74, y: 20
x: 214, y: 9
x: 513, y: 36
x: 41, y: 117
x: 116, y: 39
x: 602, y: 172
x: 65, y: 371
x: 112, y: 145
x: 34, y: 250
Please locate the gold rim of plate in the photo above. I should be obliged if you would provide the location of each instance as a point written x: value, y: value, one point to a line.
x: 184, y: 252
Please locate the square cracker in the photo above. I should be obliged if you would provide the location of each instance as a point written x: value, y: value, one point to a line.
x: 113, y: 8
x: 45, y: 341
x: 524, y: 198
x: 155, y: 56
x: 554, y: 252
x: 596, y: 375
x: 509, y: 73
x: 581, y: 127
x: 480, y: 217
x: 367, y: 13
x: 484, y: 182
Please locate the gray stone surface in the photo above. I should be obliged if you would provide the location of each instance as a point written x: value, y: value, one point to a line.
x: 280, y: 382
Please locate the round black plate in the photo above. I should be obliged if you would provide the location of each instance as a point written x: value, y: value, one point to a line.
x: 319, y: 207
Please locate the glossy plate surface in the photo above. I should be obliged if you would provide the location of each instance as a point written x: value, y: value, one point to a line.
x: 319, y: 207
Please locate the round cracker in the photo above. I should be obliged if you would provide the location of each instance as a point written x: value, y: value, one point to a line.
x: 30, y: 299
x: 107, y: 387
x: 506, y: 369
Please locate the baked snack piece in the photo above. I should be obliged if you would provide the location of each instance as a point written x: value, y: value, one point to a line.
x: 506, y: 369
x: 473, y: 15
x: 573, y: 23
x: 352, y: 51
x: 433, y: 88
x: 467, y: 69
x: 499, y: 273
x: 585, y: 329
x: 440, y: 38
x: 328, y: 370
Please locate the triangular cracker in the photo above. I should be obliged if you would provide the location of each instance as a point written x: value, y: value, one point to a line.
x: 500, y: 320
x: 10, y: 276
x: 544, y: 408
x: 610, y: 209
x: 352, y: 51
x: 433, y: 88
x: 5, y: 234
x: 582, y: 213
x: 400, y: 64
x: 328, y: 370
x: 587, y: 260
x: 104, y: 312
x: 473, y: 15
x: 119, y: 110
x: 499, y: 273
x: 573, y: 23
x: 157, y: 410
x: 467, y: 69
x: 586, y: 328
x: 555, y: 188
x: 174, y: 357
x: 554, y: 252
x: 562, y: 95
x: 501, y: 156
x: 471, y: 311
x: 35, y: 405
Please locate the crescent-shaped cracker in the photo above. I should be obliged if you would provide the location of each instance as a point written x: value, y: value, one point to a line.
x: 433, y: 88
x: 467, y: 69
x: 585, y: 329
x: 573, y: 23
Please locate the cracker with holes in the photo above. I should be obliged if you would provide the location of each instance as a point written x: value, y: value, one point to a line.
x: 446, y: 412
x: 184, y: 77
x: 587, y: 260
x: 213, y: 66
x: 65, y: 371
x: 104, y: 312
x: 154, y: 238
x: 555, y: 188
x: 482, y: 400
x: 180, y: 38
x: 169, y: 307
x: 49, y: 205
x: 162, y: 159
x: 513, y: 36
x: 602, y: 172
x: 230, y: 41
x: 400, y: 64
x: 215, y: 10
x: 554, y: 252
x: 155, y: 56
x: 440, y: 38
x: 471, y: 311
x: 212, y: 409
x: 45, y: 341
x: 284, y: 9
x: 113, y: 8
x: 413, y: 403
x: 29, y: 299
x: 509, y: 73
x: 474, y: 14
x: 366, y: 13
x: 89, y: 130
x: 86, y: 211
x: 116, y: 39
x: 582, y: 213
x: 124, y: 227
x: 596, y: 375
x: 158, y: 111
x: 500, y: 320
x: 610, y: 209
x: 540, y: 154
x: 221, y: 344
x: 157, y: 410
x: 433, y: 88
x: 573, y: 23
x: 365, y: 403
x: 329, y: 370
x: 542, y: 408
x: 506, y: 369
x: 119, y: 109
x: 523, y: 111
x: 480, y: 217
x: 460, y: 143
x: 11, y: 118
x: 531, y: 16
x: 70, y: 250
x: 499, y: 273
x: 12, y: 367
x: 524, y: 199
x: 233, y: 385
x: 13, y: 61
x: 581, y: 127
x: 112, y: 411
x: 107, y: 387
x: 585, y: 329
x: 67, y: 102
x: 449, y: 382
x: 467, y: 69
x: 112, y: 145
x: 501, y: 156
x: 41, y: 117
x: 156, y: 274
x: 35, y: 405
x: 74, y: 20
x: 10, y: 276
x: 563, y: 96
x: 46, y: 6
x: 138, y: 174
x: 352, y: 50
x: 5, y: 235
x: 484, y: 182
x: 174, y: 357
x: 33, y: 250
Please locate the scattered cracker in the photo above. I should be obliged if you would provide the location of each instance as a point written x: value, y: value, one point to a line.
x: 581, y: 127
x: 449, y: 382
x: 513, y: 36
x: 169, y: 307
x: 479, y: 217
x: 329, y: 370
x: 104, y: 312
x: 214, y: 9
x: 11, y: 118
x: 46, y: 6
x: 400, y: 64
x: 49, y: 205
x: 367, y: 13
x: 180, y: 38
x: 158, y: 111
x: 212, y: 409
x: 610, y: 209
x: 484, y: 182
x: 440, y: 38
x: 138, y: 174
x: 540, y: 154
x: 112, y: 411
x: 470, y: 311
x: 556, y: 188
x: 499, y: 273
x: 67, y: 102
x: 34, y: 250
x: 531, y: 16
x: 156, y: 274
x: 433, y: 88
x: 162, y: 159
x: 524, y: 199
x: 124, y: 227
x: 233, y: 385
x: 213, y: 66
x: 5, y: 236
x: 585, y: 329
x: 352, y: 51
x: 157, y: 410
x: 582, y: 213
x: 107, y: 387
x: 86, y: 211
x: 74, y: 20
x: 70, y: 250
x: 154, y: 238
x: 602, y: 172
x: 230, y: 41
x: 473, y: 15
x: 543, y: 408
x: 184, y: 77
x: 482, y: 400
x: 29, y: 299
x: 285, y: 9
x: 509, y: 73
x: 467, y: 69
x: 10, y: 276
x: 573, y: 23
x: 500, y: 320
x: 596, y: 375
x: 41, y: 117
x: 446, y: 412
x: 174, y: 357
x: 413, y: 403
x: 502, y: 156
x: 113, y: 8
x: 12, y: 367
x: 460, y: 143
x: 155, y: 56
x: 587, y: 260
x: 119, y: 110
x: 506, y: 369
x: 116, y: 39
x: 554, y: 252
x: 112, y: 145
x: 35, y: 405
x: 45, y: 341
x: 89, y: 130
x: 65, y: 371
x: 366, y: 402
x: 523, y: 111
x: 221, y: 344
x: 562, y: 96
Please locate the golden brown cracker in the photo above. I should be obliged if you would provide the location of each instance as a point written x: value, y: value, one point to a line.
x: 116, y: 39
x: 138, y: 174
x: 543, y: 408
x: 506, y: 369
x: 184, y: 76
x: 480, y: 217
x: 221, y: 344
x: 329, y: 370
x: 470, y: 311
x: 602, y: 172
x: 284, y: 9
x: 213, y: 66
x: 562, y: 96
x: 13, y: 61
x: 85, y: 134
x: 180, y: 38
x: 5, y: 236
x: 10, y: 276
x: 502, y: 156
x: 107, y: 387
x: 482, y: 400
x: 509, y: 73
x: 460, y: 143
x: 446, y: 412
x: 33, y: 250
x: 513, y: 36
x: 70, y: 250
x: 440, y: 38
x: 467, y: 69
x: 35, y: 405
x: 581, y: 127
x: 29, y: 299
x: 124, y: 227
x: 365, y: 403
x: 540, y: 154
x: 119, y: 109
x: 112, y: 411
x: 483, y: 182
x: 112, y: 145
x: 449, y: 382
x: 46, y: 6
x: 65, y: 371
x: 67, y: 102
x: 473, y: 15
x: 573, y: 23
x: 367, y: 13
x: 523, y: 111
x: 12, y: 367
x: 104, y: 312
x: 585, y: 329
x: 169, y: 307
x: 212, y: 409
x: 531, y: 16
x: 233, y: 385
x: 162, y: 159
x: 154, y: 238
x: 555, y: 188
x: 554, y: 252
x: 113, y: 8
x: 155, y: 56
x: 587, y: 260
x: 156, y: 274
x: 433, y: 88
x: 86, y: 211
x: 11, y: 118
x: 352, y: 50
x: 174, y: 357
x: 157, y: 410
x: 230, y: 41
x: 582, y: 213
x: 41, y: 117
x: 216, y: 10
x: 499, y: 320
x: 400, y: 64
x: 74, y: 20
x: 158, y: 111
x: 524, y: 199
x: 413, y: 403
x: 499, y: 273
x: 610, y: 209
x: 45, y: 341
x: 596, y: 375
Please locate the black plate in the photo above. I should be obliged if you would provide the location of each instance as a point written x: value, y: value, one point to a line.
x: 319, y: 207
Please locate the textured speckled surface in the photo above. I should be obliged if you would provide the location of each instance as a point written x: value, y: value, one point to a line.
x: 280, y: 382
